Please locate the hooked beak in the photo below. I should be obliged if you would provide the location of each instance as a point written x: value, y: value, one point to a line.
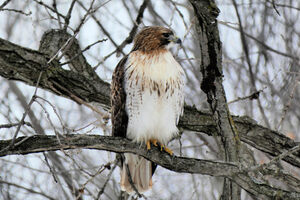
x: 175, y: 39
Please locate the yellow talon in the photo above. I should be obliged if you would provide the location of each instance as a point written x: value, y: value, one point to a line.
x: 148, y: 145
x: 154, y: 142
x: 162, y: 147
x: 169, y: 151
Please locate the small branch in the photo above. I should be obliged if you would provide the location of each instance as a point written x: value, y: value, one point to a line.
x: 101, y: 27
x: 4, y: 4
x: 17, y: 11
x: 14, y: 124
x: 252, y: 96
x: 274, y: 6
x: 68, y: 16
x: 128, y: 40
x: 264, y: 45
x: 100, y: 170
x: 133, y: 31
x: 107, y: 179
x: 50, y: 168
x: 48, y: 7
x: 54, y: 5
x: 80, y: 53
x: 277, y: 158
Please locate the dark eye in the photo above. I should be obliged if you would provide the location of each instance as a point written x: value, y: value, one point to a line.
x: 167, y: 34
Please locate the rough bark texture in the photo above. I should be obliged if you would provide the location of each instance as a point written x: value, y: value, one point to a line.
x: 22, y: 64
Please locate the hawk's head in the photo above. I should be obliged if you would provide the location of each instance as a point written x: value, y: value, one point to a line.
x: 153, y: 38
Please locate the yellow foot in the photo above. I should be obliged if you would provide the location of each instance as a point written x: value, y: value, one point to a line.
x: 169, y: 151
x: 153, y: 141
x: 148, y: 145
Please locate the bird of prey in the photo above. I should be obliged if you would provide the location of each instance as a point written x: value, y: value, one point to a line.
x: 147, y: 101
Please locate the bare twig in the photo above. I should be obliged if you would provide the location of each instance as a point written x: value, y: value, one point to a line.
x: 85, y: 49
x: 14, y: 124
x: 107, y: 179
x: 261, y: 42
x: 17, y: 11
x: 274, y: 6
x: 129, y: 39
x: 102, y: 27
x: 49, y: 120
x: 89, y: 124
x: 54, y: 5
x: 100, y: 170
x: 282, y: 5
x: 55, y: 111
x: 276, y: 159
x: 134, y: 29
x: 68, y: 16
x: 49, y: 8
x: 252, y: 96
x: 4, y: 4
x: 80, y: 101
x: 50, y: 168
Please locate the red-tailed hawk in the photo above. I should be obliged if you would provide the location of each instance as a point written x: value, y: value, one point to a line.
x: 147, y: 100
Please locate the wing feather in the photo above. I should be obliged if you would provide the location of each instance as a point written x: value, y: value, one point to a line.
x: 119, y: 117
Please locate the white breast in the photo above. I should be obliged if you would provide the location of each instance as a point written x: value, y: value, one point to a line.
x: 154, y: 87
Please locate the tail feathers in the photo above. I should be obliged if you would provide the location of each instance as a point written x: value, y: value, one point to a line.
x: 140, y: 171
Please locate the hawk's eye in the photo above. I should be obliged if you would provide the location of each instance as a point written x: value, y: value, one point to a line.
x: 167, y: 34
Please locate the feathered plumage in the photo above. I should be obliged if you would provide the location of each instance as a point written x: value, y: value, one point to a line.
x: 147, y: 99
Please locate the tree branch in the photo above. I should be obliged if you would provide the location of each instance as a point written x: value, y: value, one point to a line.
x: 22, y: 64
x: 41, y: 143
x: 242, y: 177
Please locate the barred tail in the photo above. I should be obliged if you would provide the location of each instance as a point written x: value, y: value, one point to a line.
x: 140, y: 171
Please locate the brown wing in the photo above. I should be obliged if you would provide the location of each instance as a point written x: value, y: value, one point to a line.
x: 119, y: 117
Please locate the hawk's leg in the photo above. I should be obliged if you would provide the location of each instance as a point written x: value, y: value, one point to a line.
x: 153, y: 141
